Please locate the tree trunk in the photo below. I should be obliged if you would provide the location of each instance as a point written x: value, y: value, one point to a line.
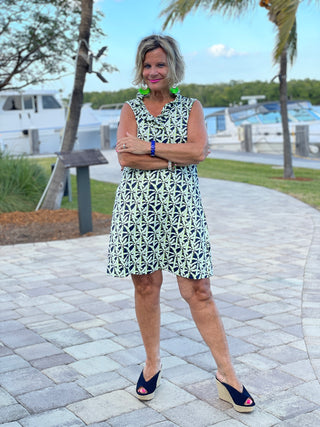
x: 287, y: 152
x: 54, y: 191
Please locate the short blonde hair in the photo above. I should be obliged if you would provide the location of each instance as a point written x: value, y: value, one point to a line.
x: 174, y: 58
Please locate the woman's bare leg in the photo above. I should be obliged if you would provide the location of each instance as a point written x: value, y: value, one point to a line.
x: 198, y: 295
x: 147, y: 304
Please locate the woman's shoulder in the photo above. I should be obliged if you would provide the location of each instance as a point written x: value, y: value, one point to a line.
x: 137, y: 101
x: 185, y: 100
x: 133, y: 101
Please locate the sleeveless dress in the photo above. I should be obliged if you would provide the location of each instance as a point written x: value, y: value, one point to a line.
x: 158, y: 221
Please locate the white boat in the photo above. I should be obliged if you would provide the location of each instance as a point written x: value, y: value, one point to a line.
x: 32, y: 122
x: 263, y: 120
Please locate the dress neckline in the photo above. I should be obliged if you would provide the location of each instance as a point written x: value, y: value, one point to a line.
x: 141, y: 97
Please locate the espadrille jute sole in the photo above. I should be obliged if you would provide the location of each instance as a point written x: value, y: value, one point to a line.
x: 234, y: 397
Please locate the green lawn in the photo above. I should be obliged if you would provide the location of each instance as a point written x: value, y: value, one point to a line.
x: 308, y: 191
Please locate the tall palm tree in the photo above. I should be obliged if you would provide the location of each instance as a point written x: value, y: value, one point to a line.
x: 283, y: 14
x: 54, y: 191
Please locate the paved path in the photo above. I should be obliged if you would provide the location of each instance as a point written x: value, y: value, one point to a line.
x: 71, y: 350
x: 268, y: 159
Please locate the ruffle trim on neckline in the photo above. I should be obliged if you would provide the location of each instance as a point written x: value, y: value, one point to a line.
x: 176, y: 95
x: 166, y: 108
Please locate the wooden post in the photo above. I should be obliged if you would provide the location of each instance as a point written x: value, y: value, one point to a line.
x: 247, y: 142
x: 302, y: 140
x: 84, y: 200
x: 105, y: 137
x: 34, y: 141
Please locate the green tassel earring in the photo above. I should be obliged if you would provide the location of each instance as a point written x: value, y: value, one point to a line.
x: 144, y: 91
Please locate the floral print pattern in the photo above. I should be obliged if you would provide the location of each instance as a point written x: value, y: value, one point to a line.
x: 158, y: 222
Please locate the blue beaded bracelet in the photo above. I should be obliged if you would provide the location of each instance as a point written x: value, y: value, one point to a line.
x: 153, y: 148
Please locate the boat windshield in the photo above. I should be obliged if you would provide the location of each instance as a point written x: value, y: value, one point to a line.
x: 12, y: 103
x: 303, y: 115
x: 28, y: 104
x: 272, y: 117
x: 49, y: 102
x: 252, y: 120
x: 239, y: 116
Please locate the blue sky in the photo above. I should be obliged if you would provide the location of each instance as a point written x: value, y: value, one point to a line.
x: 216, y: 49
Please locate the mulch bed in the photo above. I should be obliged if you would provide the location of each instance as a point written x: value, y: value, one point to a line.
x: 47, y: 225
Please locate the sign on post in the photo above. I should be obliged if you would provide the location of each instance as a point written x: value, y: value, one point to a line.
x: 81, y: 160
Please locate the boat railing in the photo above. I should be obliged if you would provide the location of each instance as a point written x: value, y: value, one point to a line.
x: 115, y: 106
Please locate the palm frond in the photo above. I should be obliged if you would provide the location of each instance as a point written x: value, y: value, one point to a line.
x: 283, y: 14
x: 292, y: 43
x: 231, y: 7
x: 178, y: 9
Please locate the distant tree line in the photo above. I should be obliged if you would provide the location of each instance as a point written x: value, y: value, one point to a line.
x: 222, y: 94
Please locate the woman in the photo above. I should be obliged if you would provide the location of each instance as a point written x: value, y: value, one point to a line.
x: 158, y: 219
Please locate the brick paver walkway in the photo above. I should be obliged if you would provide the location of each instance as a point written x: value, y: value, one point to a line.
x: 71, y: 352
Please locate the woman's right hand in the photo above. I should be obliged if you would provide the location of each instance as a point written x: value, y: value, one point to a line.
x: 132, y: 144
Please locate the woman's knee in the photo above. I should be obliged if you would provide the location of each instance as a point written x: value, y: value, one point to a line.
x: 147, y: 284
x: 195, y: 290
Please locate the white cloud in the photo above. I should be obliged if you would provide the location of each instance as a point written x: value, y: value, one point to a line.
x: 220, y: 50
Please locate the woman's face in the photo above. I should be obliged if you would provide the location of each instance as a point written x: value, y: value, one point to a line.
x: 155, y: 70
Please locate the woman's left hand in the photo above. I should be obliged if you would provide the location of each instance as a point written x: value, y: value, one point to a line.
x: 132, y: 144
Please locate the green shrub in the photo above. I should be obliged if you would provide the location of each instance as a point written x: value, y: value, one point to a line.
x: 21, y: 183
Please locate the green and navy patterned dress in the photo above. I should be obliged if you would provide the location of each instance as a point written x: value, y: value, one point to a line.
x: 158, y: 222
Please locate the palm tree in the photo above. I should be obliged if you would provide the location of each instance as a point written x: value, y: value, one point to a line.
x: 283, y: 14
x: 284, y: 17
x: 54, y: 191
